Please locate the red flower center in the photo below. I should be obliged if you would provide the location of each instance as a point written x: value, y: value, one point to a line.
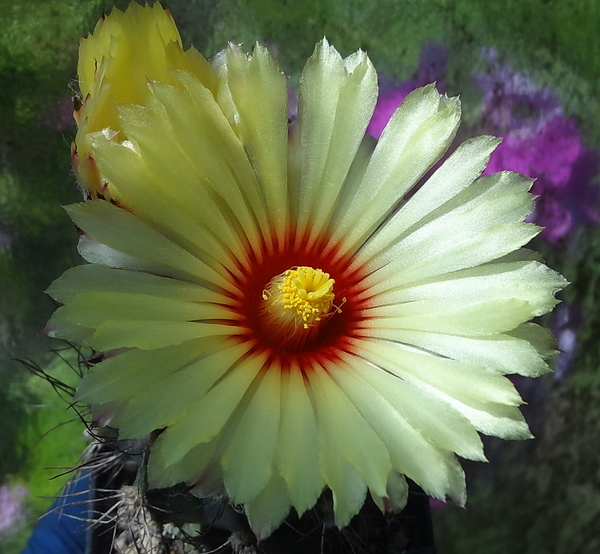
x: 293, y: 340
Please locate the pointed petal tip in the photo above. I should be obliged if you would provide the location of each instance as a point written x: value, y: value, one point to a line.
x: 237, y: 46
x: 324, y: 49
x: 461, y: 502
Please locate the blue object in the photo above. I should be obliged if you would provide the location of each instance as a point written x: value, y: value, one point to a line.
x: 64, y: 529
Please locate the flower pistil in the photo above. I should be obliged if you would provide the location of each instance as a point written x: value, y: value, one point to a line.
x: 295, y: 303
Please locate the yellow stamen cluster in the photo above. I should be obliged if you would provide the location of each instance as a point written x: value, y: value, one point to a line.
x: 306, y: 292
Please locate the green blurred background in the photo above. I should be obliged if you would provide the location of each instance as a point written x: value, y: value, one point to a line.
x: 540, y: 496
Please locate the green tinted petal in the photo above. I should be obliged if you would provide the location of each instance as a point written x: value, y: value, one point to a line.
x: 258, y: 90
x: 267, y: 510
x: 348, y: 432
x: 99, y: 278
x: 249, y: 457
x: 123, y: 231
x: 297, y: 449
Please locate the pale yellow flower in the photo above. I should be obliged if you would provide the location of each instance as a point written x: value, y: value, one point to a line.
x: 272, y: 297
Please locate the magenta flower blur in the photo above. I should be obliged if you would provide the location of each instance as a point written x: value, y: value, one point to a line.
x: 433, y: 59
x: 541, y: 143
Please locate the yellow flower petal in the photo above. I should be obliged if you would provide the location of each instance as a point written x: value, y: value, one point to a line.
x: 330, y: 88
x: 297, y: 449
x: 249, y: 457
x: 258, y: 91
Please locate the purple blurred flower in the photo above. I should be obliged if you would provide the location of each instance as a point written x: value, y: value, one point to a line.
x: 566, y: 321
x: 540, y: 142
x: 433, y: 59
x: 60, y: 116
x: 12, y: 509
x: 512, y: 102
